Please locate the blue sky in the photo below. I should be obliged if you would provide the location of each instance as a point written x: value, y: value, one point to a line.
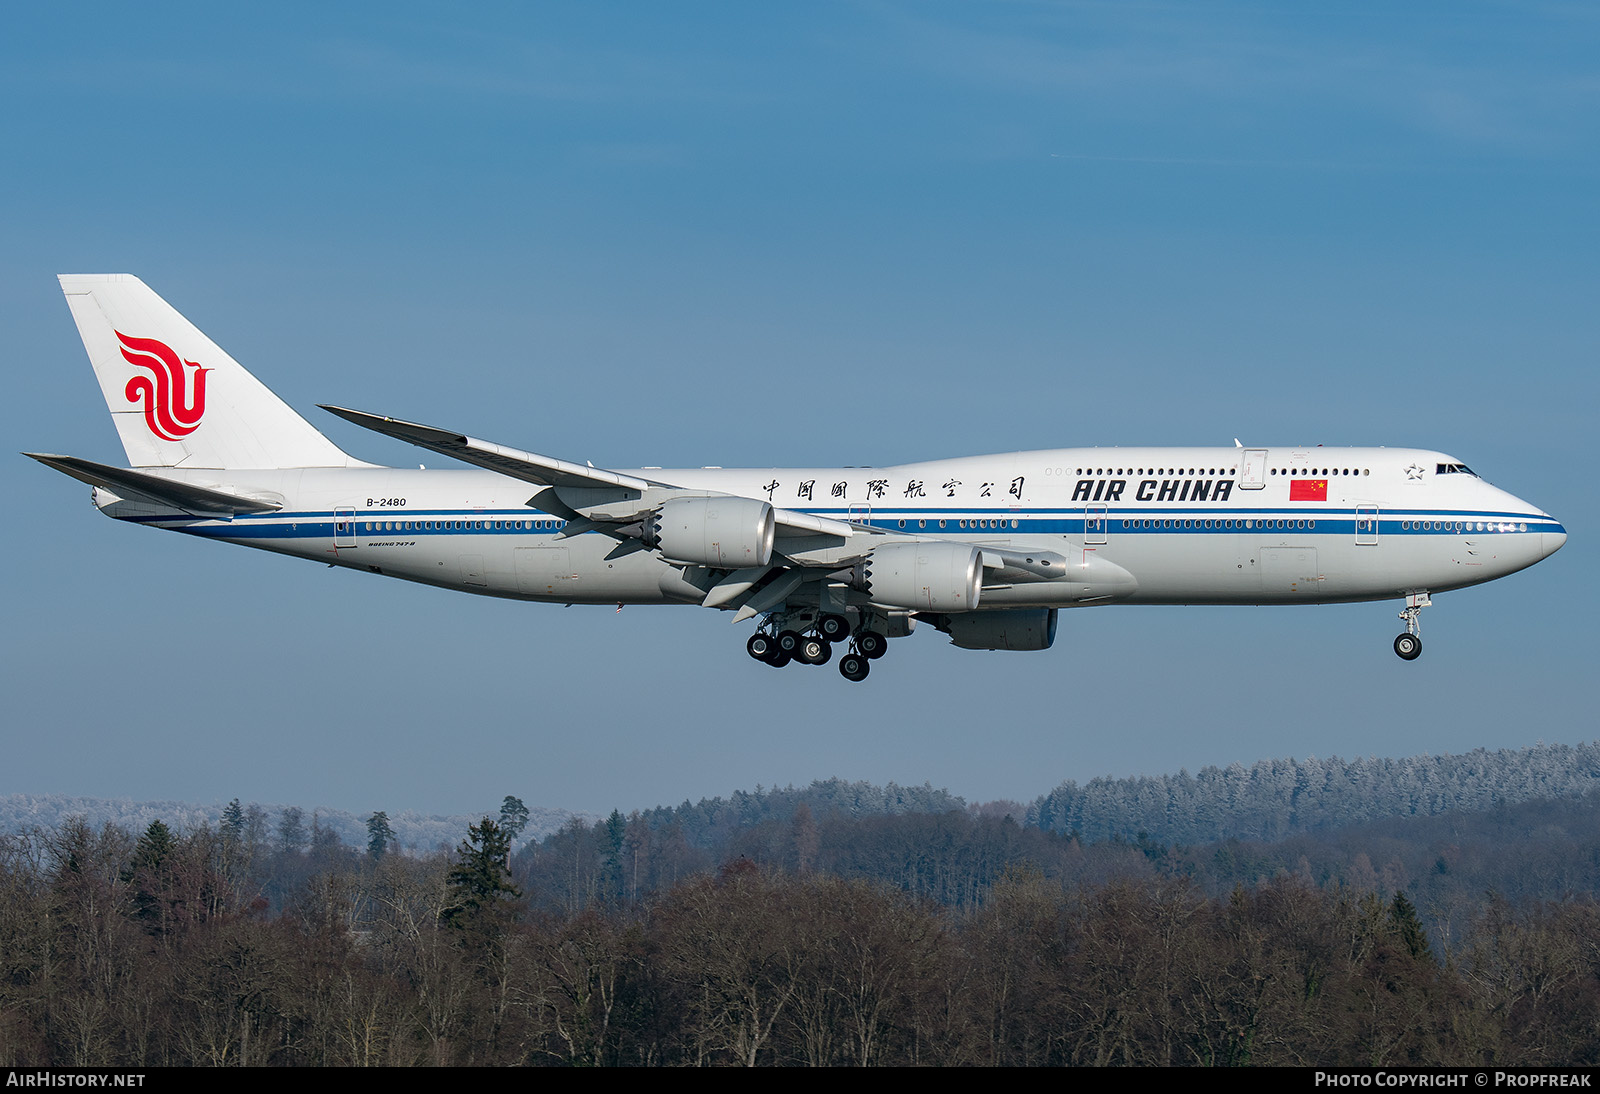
x: 827, y: 233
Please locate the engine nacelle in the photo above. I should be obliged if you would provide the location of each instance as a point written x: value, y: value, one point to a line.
x: 728, y: 533
x: 1019, y: 629
x: 929, y: 577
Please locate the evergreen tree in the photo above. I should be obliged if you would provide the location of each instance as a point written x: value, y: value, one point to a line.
x: 513, y: 818
x: 479, y: 878
x: 146, y: 870
x: 234, y: 853
x: 152, y: 850
x: 1405, y: 923
x: 233, y: 823
x: 379, y: 835
x: 615, y: 828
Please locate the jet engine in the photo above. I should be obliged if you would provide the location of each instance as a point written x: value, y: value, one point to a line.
x: 937, y: 576
x: 1017, y: 629
x: 725, y: 532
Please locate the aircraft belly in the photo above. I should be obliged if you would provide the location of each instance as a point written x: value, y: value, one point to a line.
x: 578, y: 571
x: 1290, y: 573
x: 1309, y: 569
x: 1248, y: 569
x: 1189, y: 569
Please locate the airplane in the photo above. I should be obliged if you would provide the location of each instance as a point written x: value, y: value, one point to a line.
x: 986, y: 549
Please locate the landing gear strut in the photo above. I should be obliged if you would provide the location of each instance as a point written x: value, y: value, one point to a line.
x: 789, y: 645
x: 804, y: 639
x: 869, y: 645
x: 1409, y: 644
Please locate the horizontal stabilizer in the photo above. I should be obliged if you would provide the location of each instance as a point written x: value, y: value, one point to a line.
x: 129, y: 485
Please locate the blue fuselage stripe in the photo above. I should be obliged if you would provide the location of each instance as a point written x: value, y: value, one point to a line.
x: 1119, y: 521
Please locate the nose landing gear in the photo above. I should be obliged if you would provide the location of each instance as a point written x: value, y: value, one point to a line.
x: 1409, y: 644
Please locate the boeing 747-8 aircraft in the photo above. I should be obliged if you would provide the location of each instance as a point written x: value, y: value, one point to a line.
x: 986, y: 549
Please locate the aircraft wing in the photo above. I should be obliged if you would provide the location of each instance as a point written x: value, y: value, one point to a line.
x: 527, y: 466
x: 549, y: 471
x: 198, y: 501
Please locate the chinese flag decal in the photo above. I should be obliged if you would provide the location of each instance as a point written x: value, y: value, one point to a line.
x: 1308, y: 490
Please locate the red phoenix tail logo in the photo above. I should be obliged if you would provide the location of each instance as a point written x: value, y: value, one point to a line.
x: 171, y: 408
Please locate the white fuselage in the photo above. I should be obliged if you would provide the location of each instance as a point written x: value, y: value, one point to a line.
x: 1165, y: 525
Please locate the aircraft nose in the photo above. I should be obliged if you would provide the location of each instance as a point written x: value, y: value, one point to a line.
x: 1551, y: 541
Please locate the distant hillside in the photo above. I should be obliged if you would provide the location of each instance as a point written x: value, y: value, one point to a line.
x: 1274, y: 799
x: 711, y: 822
x: 418, y: 831
x: 1269, y: 801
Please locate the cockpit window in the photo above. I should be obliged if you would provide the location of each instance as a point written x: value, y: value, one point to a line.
x: 1454, y: 469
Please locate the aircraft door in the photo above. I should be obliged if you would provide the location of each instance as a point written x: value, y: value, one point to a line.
x: 344, y: 527
x: 1366, y: 525
x: 860, y: 513
x: 1094, y: 524
x: 1253, y: 469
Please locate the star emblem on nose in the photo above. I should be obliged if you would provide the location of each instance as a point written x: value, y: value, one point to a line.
x: 1414, y: 472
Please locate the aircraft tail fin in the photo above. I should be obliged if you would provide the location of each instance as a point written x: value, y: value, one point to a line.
x: 177, y: 399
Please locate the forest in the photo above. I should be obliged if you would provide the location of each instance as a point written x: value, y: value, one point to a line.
x: 836, y: 925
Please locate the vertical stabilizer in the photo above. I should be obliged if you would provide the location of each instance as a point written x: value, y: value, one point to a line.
x: 178, y: 400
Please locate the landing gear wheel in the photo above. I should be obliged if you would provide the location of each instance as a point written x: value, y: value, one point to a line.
x: 789, y: 642
x: 1408, y: 646
x: 780, y: 659
x: 813, y: 651
x: 854, y: 667
x: 833, y: 628
x: 763, y: 647
x: 872, y: 645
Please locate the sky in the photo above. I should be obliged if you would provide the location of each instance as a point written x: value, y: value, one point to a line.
x: 830, y: 233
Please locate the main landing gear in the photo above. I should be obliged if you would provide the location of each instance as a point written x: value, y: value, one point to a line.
x: 1409, y: 644
x: 788, y: 645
